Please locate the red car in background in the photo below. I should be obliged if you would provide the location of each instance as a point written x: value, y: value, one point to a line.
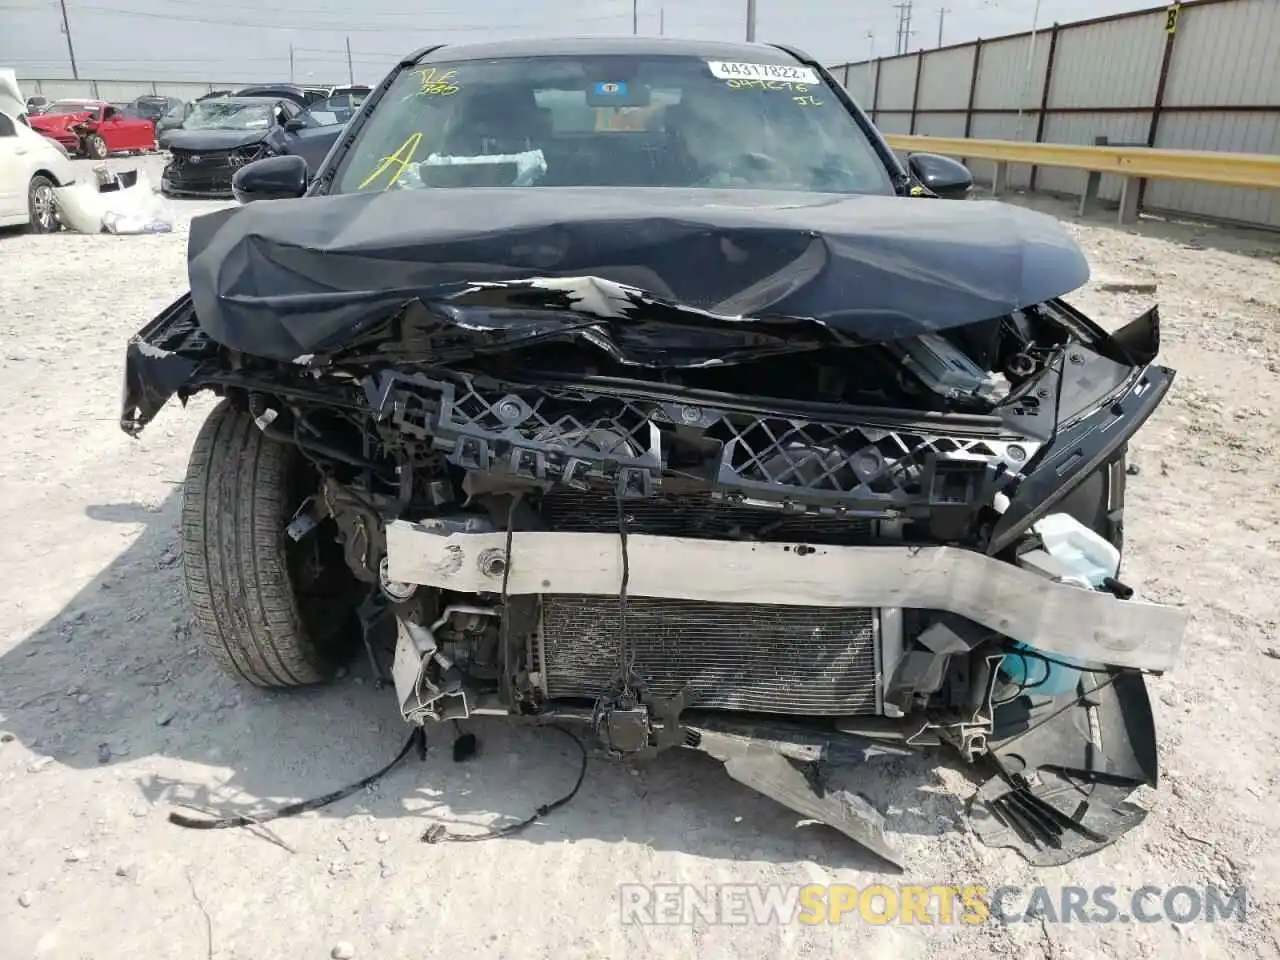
x: 94, y: 128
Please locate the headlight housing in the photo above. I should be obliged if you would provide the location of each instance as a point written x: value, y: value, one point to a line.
x: 247, y: 154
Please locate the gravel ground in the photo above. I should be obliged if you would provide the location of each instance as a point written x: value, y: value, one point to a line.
x: 111, y: 714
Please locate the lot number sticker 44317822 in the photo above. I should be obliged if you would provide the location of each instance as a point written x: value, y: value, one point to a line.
x: 788, y: 72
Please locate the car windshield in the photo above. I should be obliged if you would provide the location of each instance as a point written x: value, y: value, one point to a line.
x: 150, y: 109
x: 612, y: 121
x: 70, y: 106
x: 334, y: 110
x: 228, y: 115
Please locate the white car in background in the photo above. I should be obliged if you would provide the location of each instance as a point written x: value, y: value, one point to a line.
x: 31, y: 166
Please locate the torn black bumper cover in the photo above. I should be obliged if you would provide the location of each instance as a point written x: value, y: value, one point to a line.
x: 415, y: 312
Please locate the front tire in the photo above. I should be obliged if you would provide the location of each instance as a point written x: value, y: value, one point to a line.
x: 41, y: 206
x: 267, y: 617
x: 95, y: 148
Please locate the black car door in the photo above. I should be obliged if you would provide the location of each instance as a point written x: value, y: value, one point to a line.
x: 316, y: 130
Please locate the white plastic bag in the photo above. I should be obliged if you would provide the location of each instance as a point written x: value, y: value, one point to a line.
x: 134, y: 209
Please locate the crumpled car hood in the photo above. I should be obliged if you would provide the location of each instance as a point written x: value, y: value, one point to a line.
x: 289, y: 277
x: 58, y: 121
x: 213, y: 139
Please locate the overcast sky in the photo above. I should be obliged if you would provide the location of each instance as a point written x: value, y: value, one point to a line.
x: 241, y: 40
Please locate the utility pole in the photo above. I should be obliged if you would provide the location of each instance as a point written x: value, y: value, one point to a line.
x: 351, y: 73
x: 904, y: 26
x: 291, y: 63
x: 751, y: 21
x: 662, y: 21
x: 871, y: 53
x: 71, y: 51
x: 942, y: 15
x: 635, y: 16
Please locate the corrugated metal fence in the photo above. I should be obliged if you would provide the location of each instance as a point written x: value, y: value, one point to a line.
x: 122, y: 90
x: 1194, y: 76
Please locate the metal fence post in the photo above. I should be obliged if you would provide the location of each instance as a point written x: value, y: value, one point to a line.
x: 973, y: 91
x: 875, y: 90
x: 1172, y: 23
x: 973, y: 85
x: 1044, y: 100
x: 915, y: 96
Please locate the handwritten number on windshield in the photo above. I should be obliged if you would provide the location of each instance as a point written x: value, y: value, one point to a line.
x: 437, y: 84
x: 397, y: 162
x: 774, y: 85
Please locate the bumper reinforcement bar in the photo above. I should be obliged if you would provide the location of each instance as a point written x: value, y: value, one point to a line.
x: 1057, y: 618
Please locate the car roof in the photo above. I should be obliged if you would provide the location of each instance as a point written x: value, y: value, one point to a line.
x: 602, y: 46
x: 78, y: 100
x: 247, y: 100
x: 276, y: 86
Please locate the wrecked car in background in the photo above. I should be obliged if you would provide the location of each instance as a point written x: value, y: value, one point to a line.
x: 637, y: 382
x: 219, y: 137
x: 94, y: 128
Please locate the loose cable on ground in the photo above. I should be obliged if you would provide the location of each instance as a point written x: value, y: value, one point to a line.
x: 293, y: 809
x: 434, y: 834
x: 438, y: 833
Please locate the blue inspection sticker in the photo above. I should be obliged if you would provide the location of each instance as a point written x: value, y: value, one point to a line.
x: 613, y: 88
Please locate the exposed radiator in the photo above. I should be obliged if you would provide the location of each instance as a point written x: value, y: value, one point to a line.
x: 810, y: 661
x: 692, y: 515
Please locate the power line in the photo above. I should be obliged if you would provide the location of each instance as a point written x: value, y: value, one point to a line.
x: 417, y: 14
x: 904, y: 26
x: 324, y: 28
x: 336, y: 56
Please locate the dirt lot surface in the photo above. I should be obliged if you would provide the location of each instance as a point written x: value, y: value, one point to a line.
x: 111, y: 714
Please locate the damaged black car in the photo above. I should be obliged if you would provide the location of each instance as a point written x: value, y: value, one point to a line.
x: 219, y: 137
x: 637, y: 383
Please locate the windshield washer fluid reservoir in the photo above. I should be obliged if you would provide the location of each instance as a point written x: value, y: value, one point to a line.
x: 1091, y: 558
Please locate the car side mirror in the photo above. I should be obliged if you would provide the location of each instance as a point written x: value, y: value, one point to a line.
x: 949, y: 179
x: 294, y: 124
x: 271, y: 178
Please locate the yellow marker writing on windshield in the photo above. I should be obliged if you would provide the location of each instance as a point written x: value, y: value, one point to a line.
x: 437, y: 84
x: 398, y: 160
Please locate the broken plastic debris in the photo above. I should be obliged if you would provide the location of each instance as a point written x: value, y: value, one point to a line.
x: 128, y: 208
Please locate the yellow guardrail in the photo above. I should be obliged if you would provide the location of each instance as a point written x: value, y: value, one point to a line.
x: 1257, y: 170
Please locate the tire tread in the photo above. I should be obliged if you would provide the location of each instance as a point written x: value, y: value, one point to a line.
x: 237, y: 577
